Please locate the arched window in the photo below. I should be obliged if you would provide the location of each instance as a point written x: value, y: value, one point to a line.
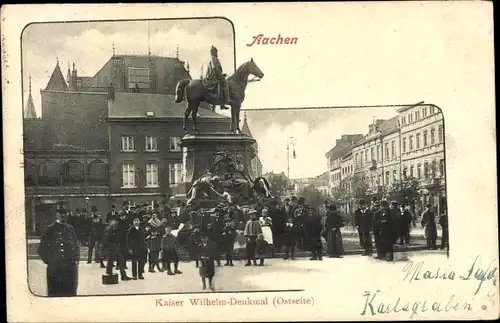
x: 74, y: 172
x: 97, y: 173
x: 29, y: 173
x: 49, y: 173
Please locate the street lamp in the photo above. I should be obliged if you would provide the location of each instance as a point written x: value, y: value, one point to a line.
x: 87, y: 200
x: 291, y: 141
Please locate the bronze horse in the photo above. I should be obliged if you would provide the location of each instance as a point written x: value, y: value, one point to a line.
x: 194, y: 93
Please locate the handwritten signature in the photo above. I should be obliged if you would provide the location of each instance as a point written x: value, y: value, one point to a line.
x: 414, y: 271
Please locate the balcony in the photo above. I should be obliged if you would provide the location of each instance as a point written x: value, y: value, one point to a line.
x: 373, y: 165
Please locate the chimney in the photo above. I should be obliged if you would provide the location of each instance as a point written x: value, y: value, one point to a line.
x: 74, y: 78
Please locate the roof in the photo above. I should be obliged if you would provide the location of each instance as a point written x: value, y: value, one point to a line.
x: 386, y: 127
x: 389, y: 126
x: 57, y: 81
x: 245, y: 129
x: 168, y: 70
x: 338, y: 151
x: 29, y: 109
x: 128, y: 105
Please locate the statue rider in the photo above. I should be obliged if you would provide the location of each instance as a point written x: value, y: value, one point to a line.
x: 215, y: 73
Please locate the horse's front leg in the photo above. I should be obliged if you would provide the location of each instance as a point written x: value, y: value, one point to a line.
x: 187, y: 112
x: 237, y: 118
x: 232, y: 128
x: 193, y: 116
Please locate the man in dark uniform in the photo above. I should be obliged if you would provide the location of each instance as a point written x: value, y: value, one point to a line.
x: 113, y: 214
x: 123, y: 227
x: 137, y: 248
x: 59, y: 249
x: 300, y: 215
x: 429, y: 223
x: 363, y: 218
x: 314, y: 228
x: 215, y: 78
x: 112, y: 245
x: 443, y: 221
x: 405, y: 220
x: 95, y: 237
x: 384, y: 226
x: 396, y: 214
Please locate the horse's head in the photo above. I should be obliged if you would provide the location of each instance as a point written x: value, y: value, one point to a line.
x: 253, y: 69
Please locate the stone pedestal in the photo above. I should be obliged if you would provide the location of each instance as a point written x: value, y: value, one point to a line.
x: 198, y: 151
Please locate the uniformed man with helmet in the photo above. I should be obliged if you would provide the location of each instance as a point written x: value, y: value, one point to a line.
x: 60, y: 251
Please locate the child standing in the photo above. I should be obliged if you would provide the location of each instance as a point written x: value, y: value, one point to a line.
x: 252, y: 231
x: 207, y: 264
x: 260, y: 249
x: 228, y: 237
x: 169, y: 247
x: 154, y: 247
x: 290, y: 238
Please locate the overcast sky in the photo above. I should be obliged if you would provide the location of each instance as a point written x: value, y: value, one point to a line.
x: 90, y: 45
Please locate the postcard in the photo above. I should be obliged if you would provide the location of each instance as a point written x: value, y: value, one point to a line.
x: 250, y: 162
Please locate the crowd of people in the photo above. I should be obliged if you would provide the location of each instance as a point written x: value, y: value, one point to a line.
x: 161, y: 236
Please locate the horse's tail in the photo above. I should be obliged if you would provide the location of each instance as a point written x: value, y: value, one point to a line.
x: 179, y: 90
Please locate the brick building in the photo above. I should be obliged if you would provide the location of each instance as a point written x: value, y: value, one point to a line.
x: 72, y: 153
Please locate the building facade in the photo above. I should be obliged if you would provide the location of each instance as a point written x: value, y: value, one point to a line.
x: 409, y: 146
x: 422, y: 147
x: 106, y: 139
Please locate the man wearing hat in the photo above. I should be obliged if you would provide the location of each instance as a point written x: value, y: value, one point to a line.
x: 252, y: 231
x: 429, y: 223
x: 59, y: 250
x: 384, y: 227
x: 215, y: 78
x: 112, y: 214
x: 97, y: 230
x: 363, y: 218
x: 405, y: 220
x: 300, y: 215
x: 137, y: 248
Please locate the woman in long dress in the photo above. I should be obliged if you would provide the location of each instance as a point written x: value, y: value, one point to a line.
x: 333, y: 224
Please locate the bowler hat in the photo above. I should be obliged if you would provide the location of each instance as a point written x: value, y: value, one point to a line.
x: 362, y: 202
x: 94, y: 208
x: 428, y: 205
x: 294, y: 198
x: 287, y: 199
x: 394, y: 203
x: 384, y: 203
x: 113, y: 206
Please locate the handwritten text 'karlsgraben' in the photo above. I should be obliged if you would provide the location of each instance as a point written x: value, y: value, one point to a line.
x: 260, y: 39
x: 416, y: 271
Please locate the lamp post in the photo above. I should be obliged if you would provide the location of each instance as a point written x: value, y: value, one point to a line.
x: 291, y: 141
x: 87, y: 200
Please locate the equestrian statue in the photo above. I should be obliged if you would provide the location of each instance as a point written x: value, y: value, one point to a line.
x: 215, y: 89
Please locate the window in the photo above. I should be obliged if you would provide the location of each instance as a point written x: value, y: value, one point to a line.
x: 411, y: 171
x: 139, y: 76
x: 433, y: 136
x: 411, y: 143
x: 372, y: 153
x: 386, y: 150
x: 404, y: 145
x: 441, y: 167
x: 405, y: 173
x: 404, y: 120
x: 393, y: 148
x: 424, y: 112
x: 387, y: 178
x: 361, y: 155
x: 426, y: 170
x: 151, y: 175
x: 441, y: 134
x: 410, y: 118
x: 97, y: 172
x: 128, y: 175
x: 175, y: 173
x: 433, y: 168
x: 378, y: 152
x: 151, y: 143
x: 394, y: 175
x: 425, y: 138
x: 417, y: 115
x: 366, y: 156
x: 419, y: 171
x: 174, y: 144
x: 431, y: 109
x: 130, y: 204
x: 128, y: 144
x: 418, y: 140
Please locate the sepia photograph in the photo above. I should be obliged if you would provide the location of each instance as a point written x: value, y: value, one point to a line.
x: 146, y: 166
